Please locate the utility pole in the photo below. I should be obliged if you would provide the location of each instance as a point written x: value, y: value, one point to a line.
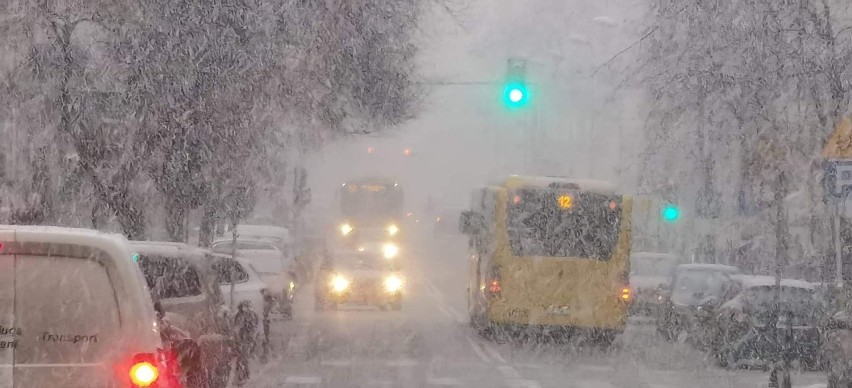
x: 781, y: 343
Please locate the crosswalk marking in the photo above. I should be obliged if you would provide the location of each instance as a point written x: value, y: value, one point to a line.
x: 311, y: 380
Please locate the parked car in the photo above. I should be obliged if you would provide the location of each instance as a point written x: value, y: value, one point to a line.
x: 743, y: 335
x: 837, y: 350
x: 182, y: 281
x: 696, y: 291
x: 275, y: 269
x: 83, y: 314
x: 278, y: 235
x: 650, y: 277
x: 247, y: 284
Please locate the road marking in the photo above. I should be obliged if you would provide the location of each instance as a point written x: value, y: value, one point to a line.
x: 478, y: 351
x: 336, y: 362
x: 444, y: 381
x: 401, y: 363
x: 494, y: 353
x: 459, y: 317
x: 509, y: 372
x: 522, y: 383
x: 303, y: 380
x: 595, y: 367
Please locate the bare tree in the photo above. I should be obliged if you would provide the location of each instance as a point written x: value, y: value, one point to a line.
x: 741, y: 90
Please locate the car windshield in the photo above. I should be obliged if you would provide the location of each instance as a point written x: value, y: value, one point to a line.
x: 652, y: 266
x: 548, y: 193
x: 695, y: 287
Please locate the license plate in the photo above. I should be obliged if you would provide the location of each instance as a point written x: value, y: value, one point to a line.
x: 558, y: 310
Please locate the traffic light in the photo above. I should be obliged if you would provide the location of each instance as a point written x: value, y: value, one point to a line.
x: 515, y: 91
x: 670, y: 212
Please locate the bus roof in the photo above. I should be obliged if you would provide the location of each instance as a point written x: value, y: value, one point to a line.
x: 519, y: 181
x: 372, y: 180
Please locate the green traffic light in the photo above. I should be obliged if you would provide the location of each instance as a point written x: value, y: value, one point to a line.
x: 515, y: 95
x: 670, y: 213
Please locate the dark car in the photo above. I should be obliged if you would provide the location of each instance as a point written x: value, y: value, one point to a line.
x: 185, y: 288
x: 696, y: 290
x: 650, y: 275
x: 743, y: 334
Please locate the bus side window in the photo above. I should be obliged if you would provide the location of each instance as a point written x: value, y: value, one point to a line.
x: 488, y: 205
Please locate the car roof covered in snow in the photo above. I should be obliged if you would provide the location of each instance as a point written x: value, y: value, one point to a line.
x: 169, y: 249
x: 749, y: 281
x: 114, y: 244
x: 521, y: 181
x: 652, y: 255
x: 708, y: 267
x: 245, y: 240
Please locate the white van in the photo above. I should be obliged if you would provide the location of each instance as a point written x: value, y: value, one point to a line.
x: 75, y: 312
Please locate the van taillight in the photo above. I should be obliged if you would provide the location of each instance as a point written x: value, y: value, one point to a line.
x: 144, y: 374
x: 159, y: 370
x: 625, y: 294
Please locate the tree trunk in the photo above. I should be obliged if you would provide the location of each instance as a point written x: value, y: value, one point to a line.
x: 208, y: 226
x: 176, y: 221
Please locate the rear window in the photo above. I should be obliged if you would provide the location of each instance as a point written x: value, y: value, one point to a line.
x: 694, y: 287
x: 559, y: 223
x: 169, y: 277
x: 652, y: 266
x: 229, y: 271
x: 66, y: 310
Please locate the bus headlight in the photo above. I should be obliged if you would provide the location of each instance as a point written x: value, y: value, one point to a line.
x: 339, y: 283
x: 345, y: 229
x: 390, y: 250
x: 393, y: 284
x: 393, y: 230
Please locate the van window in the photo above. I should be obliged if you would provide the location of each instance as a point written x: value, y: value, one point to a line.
x: 74, y: 320
x: 169, y: 277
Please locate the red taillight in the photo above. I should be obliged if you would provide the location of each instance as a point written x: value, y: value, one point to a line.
x: 144, y: 374
x: 153, y: 370
x: 494, y: 286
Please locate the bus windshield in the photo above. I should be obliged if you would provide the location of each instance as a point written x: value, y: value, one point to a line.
x: 364, y: 202
x: 547, y: 222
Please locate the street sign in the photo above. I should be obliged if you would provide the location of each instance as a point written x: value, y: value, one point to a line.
x: 838, y: 177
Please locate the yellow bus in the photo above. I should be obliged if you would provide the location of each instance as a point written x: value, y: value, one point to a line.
x: 550, y: 254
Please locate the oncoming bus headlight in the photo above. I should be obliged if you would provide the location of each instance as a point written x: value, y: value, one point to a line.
x: 345, y: 229
x: 393, y: 284
x: 393, y: 230
x: 338, y: 283
x: 390, y: 250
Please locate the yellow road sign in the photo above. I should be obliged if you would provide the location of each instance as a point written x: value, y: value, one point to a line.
x: 839, y: 145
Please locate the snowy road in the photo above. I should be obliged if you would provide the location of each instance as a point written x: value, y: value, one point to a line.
x: 428, y: 344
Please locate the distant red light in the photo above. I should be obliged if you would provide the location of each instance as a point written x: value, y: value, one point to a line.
x: 612, y: 205
x: 407, y: 151
x: 494, y: 286
x: 517, y: 199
